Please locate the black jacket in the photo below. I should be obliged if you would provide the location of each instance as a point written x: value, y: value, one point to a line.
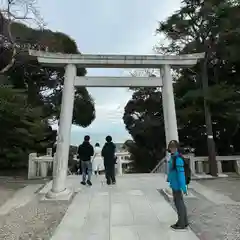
x: 85, y: 151
x: 108, y: 153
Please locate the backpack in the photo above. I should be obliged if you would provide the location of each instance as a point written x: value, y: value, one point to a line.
x: 187, y: 170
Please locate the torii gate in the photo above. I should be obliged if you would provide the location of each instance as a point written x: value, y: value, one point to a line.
x: 73, y: 61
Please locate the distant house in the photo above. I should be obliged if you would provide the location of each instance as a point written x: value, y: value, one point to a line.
x: 124, y: 156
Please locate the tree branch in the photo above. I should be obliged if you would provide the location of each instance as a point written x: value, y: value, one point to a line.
x: 8, y: 16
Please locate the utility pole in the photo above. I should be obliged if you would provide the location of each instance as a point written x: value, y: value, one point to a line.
x: 208, y: 119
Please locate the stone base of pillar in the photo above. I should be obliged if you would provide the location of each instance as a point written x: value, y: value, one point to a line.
x: 65, y: 195
x: 237, y: 166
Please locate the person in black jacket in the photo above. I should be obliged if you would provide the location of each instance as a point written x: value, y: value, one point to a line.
x: 108, y: 154
x: 85, y: 152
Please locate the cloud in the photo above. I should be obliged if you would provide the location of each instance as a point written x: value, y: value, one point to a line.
x: 107, y: 115
x: 112, y: 111
x: 109, y: 104
x: 108, y: 26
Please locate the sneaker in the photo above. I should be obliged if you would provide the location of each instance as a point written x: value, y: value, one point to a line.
x: 177, y: 227
x: 89, y: 183
x: 83, y: 183
x: 174, y: 225
x: 113, y: 183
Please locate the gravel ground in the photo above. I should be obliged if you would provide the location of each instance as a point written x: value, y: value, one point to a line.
x: 227, y: 186
x: 15, y: 182
x: 213, y: 222
x: 9, y: 186
x: 7, y: 190
x: 35, y: 221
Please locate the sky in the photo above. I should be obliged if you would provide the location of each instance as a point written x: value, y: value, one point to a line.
x: 108, y: 26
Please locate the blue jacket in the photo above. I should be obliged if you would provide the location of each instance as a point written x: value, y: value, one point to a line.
x: 176, y: 177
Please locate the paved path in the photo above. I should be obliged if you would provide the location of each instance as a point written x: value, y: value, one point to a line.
x: 132, y: 210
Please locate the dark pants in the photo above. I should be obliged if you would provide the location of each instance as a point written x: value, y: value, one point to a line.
x: 110, y: 173
x: 181, y: 208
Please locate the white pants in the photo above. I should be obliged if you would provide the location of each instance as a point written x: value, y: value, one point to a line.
x: 97, y: 164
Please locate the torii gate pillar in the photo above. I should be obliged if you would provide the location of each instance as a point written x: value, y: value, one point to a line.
x: 64, y: 135
x: 169, y: 111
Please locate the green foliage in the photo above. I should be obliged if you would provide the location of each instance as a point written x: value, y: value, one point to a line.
x: 44, y: 84
x: 84, y: 111
x: 212, y: 27
x: 34, y: 97
x: 143, y: 120
x: 23, y: 129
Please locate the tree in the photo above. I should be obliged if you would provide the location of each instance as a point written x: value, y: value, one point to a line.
x: 127, y: 144
x: 44, y: 84
x: 213, y: 27
x: 199, y: 26
x: 23, y: 129
x: 144, y: 121
x: 11, y: 11
x: 41, y: 92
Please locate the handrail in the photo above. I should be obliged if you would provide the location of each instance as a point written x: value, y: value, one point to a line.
x: 199, y: 168
x: 160, y: 163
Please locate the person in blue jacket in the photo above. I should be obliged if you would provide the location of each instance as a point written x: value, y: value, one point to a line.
x: 177, y: 182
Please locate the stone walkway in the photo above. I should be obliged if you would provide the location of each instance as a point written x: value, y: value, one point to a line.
x: 132, y: 210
